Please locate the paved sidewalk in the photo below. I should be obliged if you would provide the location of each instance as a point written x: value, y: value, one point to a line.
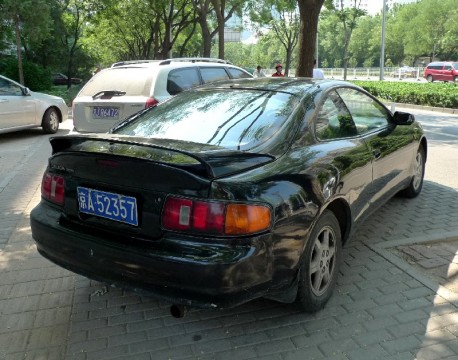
x: 388, y: 303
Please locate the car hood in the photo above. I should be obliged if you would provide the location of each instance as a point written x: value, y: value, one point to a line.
x: 207, y: 160
x: 46, y: 97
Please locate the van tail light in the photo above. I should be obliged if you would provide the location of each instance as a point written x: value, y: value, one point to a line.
x: 151, y: 102
x: 53, y: 188
x: 216, y: 218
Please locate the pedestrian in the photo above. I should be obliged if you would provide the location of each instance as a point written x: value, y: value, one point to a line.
x: 259, y: 73
x: 278, y: 69
x: 317, y: 73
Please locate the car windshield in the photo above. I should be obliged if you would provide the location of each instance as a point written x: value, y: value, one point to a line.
x: 233, y: 119
x: 132, y: 81
x: 455, y: 65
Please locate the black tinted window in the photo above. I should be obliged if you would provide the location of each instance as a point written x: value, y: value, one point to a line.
x: 238, y: 74
x: 231, y: 119
x: 210, y: 74
x: 182, y: 79
x: 367, y: 113
x: 333, y: 120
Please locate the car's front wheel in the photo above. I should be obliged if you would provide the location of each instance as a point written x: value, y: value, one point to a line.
x: 320, y: 263
x: 50, y: 122
x: 429, y: 78
x: 416, y: 183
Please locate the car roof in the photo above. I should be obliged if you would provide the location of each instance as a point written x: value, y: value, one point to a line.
x: 182, y: 61
x: 295, y: 86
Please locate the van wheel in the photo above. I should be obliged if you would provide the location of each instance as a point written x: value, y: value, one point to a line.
x: 320, y: 263
x: 429, y: 78
x: 50, y: 122
x: 455, y: 79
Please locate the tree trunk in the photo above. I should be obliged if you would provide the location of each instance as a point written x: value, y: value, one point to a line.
x: 206, y: 39
x: 309, y: 11
x: 18, y: 49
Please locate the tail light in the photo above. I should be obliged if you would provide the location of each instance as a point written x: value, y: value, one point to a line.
x: 53, y: 188
x: 151, y: 102
x: 217, y: 218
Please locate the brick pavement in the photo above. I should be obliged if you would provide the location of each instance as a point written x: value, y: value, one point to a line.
x: 383, y: 307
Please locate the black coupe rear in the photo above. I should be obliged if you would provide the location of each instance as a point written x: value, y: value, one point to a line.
x: 228, y: 192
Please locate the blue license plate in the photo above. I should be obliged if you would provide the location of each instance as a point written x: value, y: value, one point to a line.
x: 108, y: 205
x: 102, y: 112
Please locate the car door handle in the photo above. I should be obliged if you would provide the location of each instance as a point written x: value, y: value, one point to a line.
x: 3, y: 100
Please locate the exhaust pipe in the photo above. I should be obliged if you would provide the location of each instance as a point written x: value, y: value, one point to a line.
x: 178, y: 311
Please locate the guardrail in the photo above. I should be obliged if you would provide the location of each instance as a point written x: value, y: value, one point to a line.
x: 390, y: 73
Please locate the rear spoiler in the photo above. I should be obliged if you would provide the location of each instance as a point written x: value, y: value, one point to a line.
x: 213, y: 160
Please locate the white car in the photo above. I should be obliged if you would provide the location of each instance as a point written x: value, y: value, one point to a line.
x: 21, y: 108
x: 127, y: 87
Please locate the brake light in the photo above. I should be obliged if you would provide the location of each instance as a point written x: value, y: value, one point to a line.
x: 53, y: 188
x: 215, y: 217
x: 151, y: 102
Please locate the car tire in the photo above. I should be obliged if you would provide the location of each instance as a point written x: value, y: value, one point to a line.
x: 50, y: 122
x: 455, y: 79
x: 320, y: 263
x: 416, y: 184
x: 429, y: 78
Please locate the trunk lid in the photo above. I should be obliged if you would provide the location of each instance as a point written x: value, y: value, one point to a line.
x: 142, y: 170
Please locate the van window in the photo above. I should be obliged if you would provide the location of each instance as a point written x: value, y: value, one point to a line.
x: 210, y: 74
x: 182, y: 79
x: 238, y: 74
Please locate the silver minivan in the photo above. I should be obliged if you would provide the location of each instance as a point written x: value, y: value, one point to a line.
x: 125, y: 88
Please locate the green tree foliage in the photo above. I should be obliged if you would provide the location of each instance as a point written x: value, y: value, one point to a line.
x: 29, y: 22
x: 73, y: 36
x: 347, y: 22
x: 282, y: 18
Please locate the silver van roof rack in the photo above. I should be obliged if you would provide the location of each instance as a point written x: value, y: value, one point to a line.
x: 195, y: 59
x: 130, y: 62
x: 168, y: 61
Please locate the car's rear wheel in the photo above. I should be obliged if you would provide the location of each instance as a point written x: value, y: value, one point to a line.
x: 455, y: 79
x: 429, y: 78
x: 416, y: 183
x: 50, y: 122
x: 320, y: 263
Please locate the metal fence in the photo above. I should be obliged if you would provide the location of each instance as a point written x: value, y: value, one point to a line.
x: 390, y: 73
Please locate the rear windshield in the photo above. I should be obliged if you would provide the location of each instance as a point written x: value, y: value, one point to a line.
x: 234, y: 119
x: 134, y: 81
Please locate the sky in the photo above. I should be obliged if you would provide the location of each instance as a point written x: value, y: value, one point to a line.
x: 374, y: 6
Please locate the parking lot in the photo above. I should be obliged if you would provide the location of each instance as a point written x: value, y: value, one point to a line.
x: 386, y: 305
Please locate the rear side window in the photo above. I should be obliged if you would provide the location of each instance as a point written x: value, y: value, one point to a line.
x: 134, y: 81
x: 333, y: 120
x: 210, y: 74
x: 182, y: 79
x: 435, y: 67
x: 238, y: 74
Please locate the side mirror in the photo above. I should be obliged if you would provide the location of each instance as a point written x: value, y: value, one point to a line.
x: 26, y: 91
x: 403, y: 118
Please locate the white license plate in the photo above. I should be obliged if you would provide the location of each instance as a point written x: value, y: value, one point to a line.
x: 108, y: 205
x: 102, y: 112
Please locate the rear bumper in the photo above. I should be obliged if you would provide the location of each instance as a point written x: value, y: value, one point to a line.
x: 173, y: 269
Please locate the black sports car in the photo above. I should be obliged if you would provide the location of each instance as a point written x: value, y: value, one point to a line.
x: 228, y: 192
